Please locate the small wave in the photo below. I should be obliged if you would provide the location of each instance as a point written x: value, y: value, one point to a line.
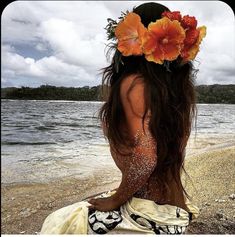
x: 76, y: 119
x: 204, y: 115
x: 15, y: 126
x: 45, y: 128
x: 62, y: 124
x: 36, y: 115
x: 27, y: 161
x: 202, y: 127
x: 89, y: 117
x: 92, y: 126
x: 78, y: 125
x: 226, y: 122
x: 27, y: 143
x: 73, y: 125
x: 62, y: 101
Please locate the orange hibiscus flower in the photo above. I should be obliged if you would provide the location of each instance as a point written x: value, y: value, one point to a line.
x: 192, y: 42
x: 164, y: 40
x: 130, y: 34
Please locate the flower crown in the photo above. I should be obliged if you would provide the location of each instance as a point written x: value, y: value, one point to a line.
x: 162, y: 41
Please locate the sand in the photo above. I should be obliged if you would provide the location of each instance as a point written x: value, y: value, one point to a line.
x: 25, y: 206
x: 213, y: 178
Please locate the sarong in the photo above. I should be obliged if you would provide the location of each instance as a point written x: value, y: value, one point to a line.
x: 136, y: 216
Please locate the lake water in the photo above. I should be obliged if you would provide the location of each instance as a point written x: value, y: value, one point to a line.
x: 46, y: 140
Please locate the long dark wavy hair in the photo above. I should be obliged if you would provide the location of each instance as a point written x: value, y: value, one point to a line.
x: 170, y: 97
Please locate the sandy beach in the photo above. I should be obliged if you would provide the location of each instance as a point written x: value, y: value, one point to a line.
x: 213, y: 190
x: 25, y: 206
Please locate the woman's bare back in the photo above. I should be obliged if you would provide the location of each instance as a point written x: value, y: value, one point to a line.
x: 150, y: 189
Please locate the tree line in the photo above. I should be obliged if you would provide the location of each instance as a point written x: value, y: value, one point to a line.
x: 47, y: 92
x: 205, y: 93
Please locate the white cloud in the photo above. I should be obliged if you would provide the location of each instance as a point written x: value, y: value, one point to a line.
x: 72, y: 44
x: 47, y: 70
x: 72, y: 37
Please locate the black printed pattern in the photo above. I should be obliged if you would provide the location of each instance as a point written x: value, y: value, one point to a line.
x: 102, y: 222
x: 166, y: 229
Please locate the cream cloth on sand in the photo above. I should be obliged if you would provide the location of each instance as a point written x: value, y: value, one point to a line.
x: 136, y: 216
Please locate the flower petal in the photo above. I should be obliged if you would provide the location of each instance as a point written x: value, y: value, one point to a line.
x: 164, y: 41
x: 191, y: 36
x: 130, y: 33
x: 157, y: 56
x: 127, y: 28
x: 175, y: 15
x: 189, y: 53
x: 171, y: 52
x: 202, y: 33
x: 189, y: 22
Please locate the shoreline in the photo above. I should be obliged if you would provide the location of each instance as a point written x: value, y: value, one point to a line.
x: 64, y: 100
x: 25, y: 206
x: 26, y: 169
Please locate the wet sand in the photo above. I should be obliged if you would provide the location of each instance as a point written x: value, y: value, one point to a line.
x: 25, y: 206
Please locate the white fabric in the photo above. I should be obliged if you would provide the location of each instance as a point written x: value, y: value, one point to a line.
x: 137, y: 216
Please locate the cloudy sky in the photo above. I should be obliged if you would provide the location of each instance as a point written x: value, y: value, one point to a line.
x: 62, y: 43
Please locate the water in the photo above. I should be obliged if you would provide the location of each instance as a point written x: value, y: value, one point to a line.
x: 47, y: 140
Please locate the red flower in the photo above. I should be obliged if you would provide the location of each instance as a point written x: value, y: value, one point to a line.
x: 172, y: 15
x: 191, y: 37
x: 191, y: 49
x: 189, y: 22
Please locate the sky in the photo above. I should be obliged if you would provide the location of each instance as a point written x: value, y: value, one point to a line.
x: 62, y: 43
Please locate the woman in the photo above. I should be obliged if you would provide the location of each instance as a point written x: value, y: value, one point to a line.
x: 147, y: 120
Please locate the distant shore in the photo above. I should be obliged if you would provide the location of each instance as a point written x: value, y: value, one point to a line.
x: 25, y: 206
x: 215, y: 94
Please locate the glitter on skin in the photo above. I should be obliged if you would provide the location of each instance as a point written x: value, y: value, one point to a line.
x: 143, y: 162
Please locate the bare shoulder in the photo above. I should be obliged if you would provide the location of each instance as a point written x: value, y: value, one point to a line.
x: 132, y: 95
x: 132, y: 82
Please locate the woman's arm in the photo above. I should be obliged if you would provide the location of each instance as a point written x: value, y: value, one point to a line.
x: 142, y: 163
x: 143, y: 157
